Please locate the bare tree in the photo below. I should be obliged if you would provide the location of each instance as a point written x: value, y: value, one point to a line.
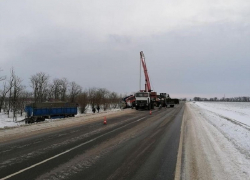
x: 24, y: 99
x: 96, y: 96
x: 74, y: 90
x: 3, y: 94
x: 50, y: 94
x: 64, y: 88
x: 104, y: 96
x: 82, y: 100
x: 114, y: 100
x: 58, y: 89
x: 39, y: 83
x: 92, y: 100
x: 15, y: 90
x: 11, y: 84
x: 2, y: 77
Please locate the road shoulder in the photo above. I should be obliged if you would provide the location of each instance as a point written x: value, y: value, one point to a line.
x: 43, y: 127
x: 207, y: 153
x: 180, y: 149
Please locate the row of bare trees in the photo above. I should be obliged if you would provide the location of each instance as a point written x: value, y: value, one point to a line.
x: 57, y: 90
x: 14, y: 96
x: 101, y: 97
x: 231, y: 99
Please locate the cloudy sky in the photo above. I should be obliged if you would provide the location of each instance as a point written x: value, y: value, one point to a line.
x: 192, y: 47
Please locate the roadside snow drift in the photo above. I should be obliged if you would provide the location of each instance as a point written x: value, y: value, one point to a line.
x: 216, y: 140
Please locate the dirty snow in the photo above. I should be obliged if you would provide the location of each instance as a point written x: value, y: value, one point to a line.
x: 216, y: 140
x: 6, y: 122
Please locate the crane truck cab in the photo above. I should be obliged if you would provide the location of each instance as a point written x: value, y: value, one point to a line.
x: 143, y: 101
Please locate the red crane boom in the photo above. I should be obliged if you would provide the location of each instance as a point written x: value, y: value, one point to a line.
x: 147, y: 81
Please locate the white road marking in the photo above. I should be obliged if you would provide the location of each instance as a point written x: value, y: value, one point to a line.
x: 53, y: 157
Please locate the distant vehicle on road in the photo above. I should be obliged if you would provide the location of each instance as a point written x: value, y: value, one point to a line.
x: 170, y: 102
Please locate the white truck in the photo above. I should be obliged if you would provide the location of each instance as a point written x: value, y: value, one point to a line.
x: 143, y: 101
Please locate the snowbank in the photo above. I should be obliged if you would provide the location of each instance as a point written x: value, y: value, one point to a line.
x: 9, y: 122
x: 216, y: 140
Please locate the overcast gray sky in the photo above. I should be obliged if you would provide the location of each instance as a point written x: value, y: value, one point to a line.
x: 192, y: 47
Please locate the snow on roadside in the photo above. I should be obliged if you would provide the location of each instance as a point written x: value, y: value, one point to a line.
x: 6, y: 122
x: 223, y: 116
x: 215, y: 146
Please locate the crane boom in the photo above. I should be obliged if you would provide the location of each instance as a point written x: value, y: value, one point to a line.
x: 147, y: 81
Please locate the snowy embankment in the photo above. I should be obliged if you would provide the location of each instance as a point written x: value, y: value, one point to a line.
x: 7, y: 122
x: 216, y: 140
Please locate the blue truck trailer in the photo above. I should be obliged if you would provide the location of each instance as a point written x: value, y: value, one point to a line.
x: 36, y: 112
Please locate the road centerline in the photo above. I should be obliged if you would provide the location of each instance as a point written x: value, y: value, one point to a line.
x: 71, y: 149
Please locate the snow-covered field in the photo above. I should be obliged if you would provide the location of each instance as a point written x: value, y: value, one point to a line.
x: 236, y: 111
x: 217, y: 140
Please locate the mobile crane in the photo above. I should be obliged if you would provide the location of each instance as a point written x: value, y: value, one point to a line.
x: 145, y: 99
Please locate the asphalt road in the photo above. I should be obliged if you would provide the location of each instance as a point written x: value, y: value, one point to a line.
x: 132, y: 146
